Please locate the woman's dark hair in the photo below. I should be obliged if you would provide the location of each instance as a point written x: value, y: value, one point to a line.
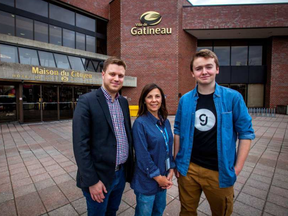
x: 142, y: 106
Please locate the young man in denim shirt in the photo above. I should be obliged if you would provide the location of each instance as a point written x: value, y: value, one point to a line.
x: 208, y: 122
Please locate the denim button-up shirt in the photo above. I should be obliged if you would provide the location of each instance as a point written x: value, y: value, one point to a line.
x: 233, y: 121
x: 150, y: 150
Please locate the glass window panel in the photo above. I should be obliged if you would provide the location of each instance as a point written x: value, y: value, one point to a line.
x: 97, y: 66
x: 24, y: 27
x: 90, y: 43
x: 101, y: 27
x: 28, y: 56
x: 38, y: 7
x: 80, y: 41
x: 41, y: 31
x: 7, y: 25
x: 76, y: 63
x: 8, y: 54
x: 85, y: 22
x: 101, y: 46
x: 62, y: 14
x: 89, y: 65
x: 68, y: 38
x: 62, y: 61
x: 55, y: 35
x: 7, y: 2
x: 255, y: 55
x: 239, y: 55
x: 223, y: 54
x: 46, y: 59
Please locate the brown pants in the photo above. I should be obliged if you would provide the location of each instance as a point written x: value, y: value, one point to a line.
x: 200, y: 179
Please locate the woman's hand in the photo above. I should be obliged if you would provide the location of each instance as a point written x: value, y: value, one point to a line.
x: 163, y: 182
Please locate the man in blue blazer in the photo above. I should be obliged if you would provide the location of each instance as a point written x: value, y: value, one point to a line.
x: 102, y: 142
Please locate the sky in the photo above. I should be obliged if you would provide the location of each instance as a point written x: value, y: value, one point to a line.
x: 225, y: 2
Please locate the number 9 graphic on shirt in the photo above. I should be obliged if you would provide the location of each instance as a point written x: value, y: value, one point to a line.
x: 204, y: 120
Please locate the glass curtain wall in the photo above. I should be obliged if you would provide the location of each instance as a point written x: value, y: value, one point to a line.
x: 51, y: 23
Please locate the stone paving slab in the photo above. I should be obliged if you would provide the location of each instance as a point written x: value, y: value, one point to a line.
x: 38, y: 171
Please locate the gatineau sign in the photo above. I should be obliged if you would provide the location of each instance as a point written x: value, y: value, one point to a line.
x: 147, y: 21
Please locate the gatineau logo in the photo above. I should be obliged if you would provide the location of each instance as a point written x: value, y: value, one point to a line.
x: 147, y: 19
x: 150, y: 18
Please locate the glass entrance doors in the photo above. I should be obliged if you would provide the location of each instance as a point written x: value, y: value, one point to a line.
x: 49, y: 103
x: 8, y: 103
x: 66, y: 104
x: 32, y: 103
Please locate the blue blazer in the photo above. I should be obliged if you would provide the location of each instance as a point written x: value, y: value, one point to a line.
x: 94, y: 140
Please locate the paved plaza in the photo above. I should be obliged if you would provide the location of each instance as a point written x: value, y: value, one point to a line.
x: 37, y: 173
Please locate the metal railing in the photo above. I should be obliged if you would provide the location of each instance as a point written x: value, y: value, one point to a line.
x: 265, y: 112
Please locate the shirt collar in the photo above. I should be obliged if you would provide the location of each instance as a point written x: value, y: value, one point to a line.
x: 108, y: 96
x: 153, y: 118
x: 216, y: 92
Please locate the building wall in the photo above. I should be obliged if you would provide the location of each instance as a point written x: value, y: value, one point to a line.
x: 279, y: 72
x: 152, y: 58
x: 187, y: 45
x: 114, y: 29
x: 100, y: 8
x: 244, y: 16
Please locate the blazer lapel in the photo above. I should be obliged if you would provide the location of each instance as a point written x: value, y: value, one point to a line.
x: 125, y: 114
x: 103, y: 103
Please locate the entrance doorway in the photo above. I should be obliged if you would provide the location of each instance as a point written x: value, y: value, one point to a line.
x: 8, y: 111
x: 50, y: 102
x: 32, y: 107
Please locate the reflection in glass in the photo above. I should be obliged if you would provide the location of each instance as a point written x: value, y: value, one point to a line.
x: 62, y: 61
x: 78, y: 91
x: 97, y: 66
x: 68, y: 38
x: 223, y: 54
x: 90, y: 43
x: 41, y: 31
x: 7, y: 2
x: 50, y: 109
x: 31, y: 103
x: 8, y: 54
x: 55, y: 35
x: 7, y: 23
x: 24, y: 27
x: 28, y: 56
x: 38, y: 7
x: 66, y: 108
x: 89, y: 65
x: 101, y: 46
x: 255, y: 55
x: 101, y: 27
x: 61, y: 14
x: 76, y: 63
x: 46, y: 59
x: 7, y: 103
x: 85, y: 22
x: 239, y: 55
x: 80, y: 41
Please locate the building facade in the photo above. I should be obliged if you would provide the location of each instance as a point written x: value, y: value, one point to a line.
x: 52, y: 51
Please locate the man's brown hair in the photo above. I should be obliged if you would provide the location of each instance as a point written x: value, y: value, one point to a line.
x: 113, y: 60
x: 204, y: 53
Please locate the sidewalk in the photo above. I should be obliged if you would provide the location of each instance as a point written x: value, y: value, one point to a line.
x: 37, y: 173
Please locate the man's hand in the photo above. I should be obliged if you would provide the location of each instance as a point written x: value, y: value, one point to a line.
x: 163, y: 182
x: 96, y: 192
